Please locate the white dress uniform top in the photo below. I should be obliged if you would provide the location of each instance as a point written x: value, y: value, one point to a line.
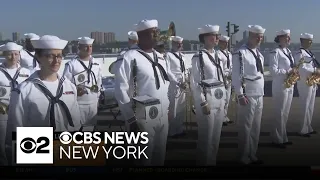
x: 248, y: 80
x: 307, y: 94
x: 146, y: 72
x: 207, y: 85
x: 9, y: 79
x: 131, y: 35
x: 27, y: 59
x: 39, y: 103
x: 281, y: 63
x: 177, y: 97
x: 91, y: 72
x: 226, y: 57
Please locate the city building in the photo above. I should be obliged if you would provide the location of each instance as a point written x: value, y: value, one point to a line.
x: 15, y: 36
x: 103, y: 37
x: 109, y: 37
x: 98, y: 37
x: 1, y: 37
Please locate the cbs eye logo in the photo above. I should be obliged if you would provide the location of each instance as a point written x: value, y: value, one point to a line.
x: 29, y: 145
x: 65, y: 138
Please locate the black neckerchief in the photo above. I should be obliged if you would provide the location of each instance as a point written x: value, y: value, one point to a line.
x: 288, y: 56
x: 258, y: 60
x: 88, y: 69
x: 154, y: 63
x: 217, y: 64
x: 182, y: 66
x: 13, y: 80
x: 228, y: 58
x: 316, y: 63
x: 54, y: 100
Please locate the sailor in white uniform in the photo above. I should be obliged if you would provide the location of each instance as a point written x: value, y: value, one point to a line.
x: 248, y: 82
x: 45, y: 99
x: 27, y: 55
x: 85, y: 72
x: 281, y: 63
x: 139, y: 89
x: 307, y: 94
x: 226, y: 57
x: 177, y: 97
x: 11, y: 74
x: 133, y: 44
x: 208, y: 89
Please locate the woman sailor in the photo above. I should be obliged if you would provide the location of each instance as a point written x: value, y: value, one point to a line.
x: 208, y: 89
x: 45, y: 99
x: 11, y: 74
x: 281, y: 63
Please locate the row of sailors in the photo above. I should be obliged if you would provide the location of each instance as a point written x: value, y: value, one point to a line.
x: 41, y: 97
x: 139, y: 84
x: 142, y: 78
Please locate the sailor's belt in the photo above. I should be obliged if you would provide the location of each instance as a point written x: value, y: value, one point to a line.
x: 210, y: 83
x: 252, y: 78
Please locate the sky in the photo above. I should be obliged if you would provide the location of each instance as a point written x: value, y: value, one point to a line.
x: 70, y: 19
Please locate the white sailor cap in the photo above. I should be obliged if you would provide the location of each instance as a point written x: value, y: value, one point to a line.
x: 49, y: 42
x: 306, y: 36
x: 146, y: 24
x: 209, y: 29
x: 85, y: 40
x: 224, y: 38
x: 283, y: 32
x: 31, y: 36
x: 256, y: 29
x: 10, y: 46
x: 176, y: 38
x: 133, y: 35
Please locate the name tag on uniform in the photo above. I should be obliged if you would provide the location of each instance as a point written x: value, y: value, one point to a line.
x: 95, y: 64
x: 80, y: 78
x: 252, y: 78
x: 216, y: 92
x: 23, y: 75
x: 5, y: 92
x: 68, y: 92
x: 147, y: 108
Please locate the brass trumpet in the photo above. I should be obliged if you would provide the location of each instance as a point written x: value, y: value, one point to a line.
x: 293, y: 77
x: 3, y: 108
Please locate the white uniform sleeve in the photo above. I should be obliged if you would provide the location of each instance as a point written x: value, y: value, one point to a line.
x: 122, y: 87
x: 17, y: 115
x: 231, y: 64
x: 274, y: 64
x: 304, y: 69
x: 99, y: 79
x: 224, y: 66
x: 75, y: 109
x: 68, y: 71
x: 236, y: 79
x: 196, y: 79
x: 171, y: 77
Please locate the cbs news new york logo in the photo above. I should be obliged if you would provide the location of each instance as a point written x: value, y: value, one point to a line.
x: 37, y: 145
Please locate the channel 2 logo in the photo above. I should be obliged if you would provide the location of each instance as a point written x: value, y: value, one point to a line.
x: 34, y: 145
